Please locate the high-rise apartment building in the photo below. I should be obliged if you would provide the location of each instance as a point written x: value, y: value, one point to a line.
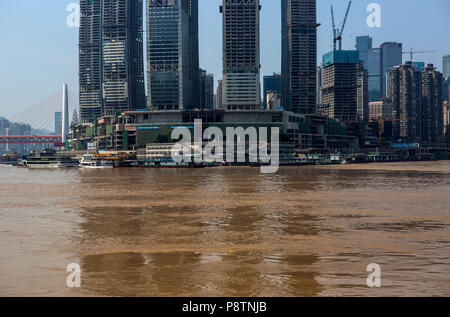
x: 340, y: 85
x: 391, y: 54
x: 299, y: 55
x: 90, y: 60
x: 406, y: 96
x: 173, y: 76
x: 241, y: 54
x: 432, y: 104
x: 123, y: 56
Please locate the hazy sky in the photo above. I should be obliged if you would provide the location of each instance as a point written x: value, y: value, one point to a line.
x: 39, y: 51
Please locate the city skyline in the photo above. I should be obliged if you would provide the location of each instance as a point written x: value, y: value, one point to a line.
x: 59, y: 54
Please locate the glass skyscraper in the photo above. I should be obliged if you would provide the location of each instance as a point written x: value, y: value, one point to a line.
x: 299, y: 55
x: 363, y: 45
x: 173, y: 76
x: 391, y: 54
x: 371, y: 58
x: 374, y: 58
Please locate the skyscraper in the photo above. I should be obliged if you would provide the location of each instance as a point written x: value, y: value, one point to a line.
x: 123, y: 61
x: 406, y: 95
x: 241, y: 54
x: 363, y: 45
x: 432, y: 104
x: 446, y: 66
x: 340, y: 85
x: 90, y: 60
x: 173, y: 77
x: 374, y: 69
x: 299, y: 55
x: 391, y: 54
x: 371, y: 58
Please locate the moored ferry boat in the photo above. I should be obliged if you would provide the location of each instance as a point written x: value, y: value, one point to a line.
x: 95, y: 161
x: 48, y: 159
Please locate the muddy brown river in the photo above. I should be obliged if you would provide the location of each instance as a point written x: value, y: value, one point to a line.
x: 305, y: 231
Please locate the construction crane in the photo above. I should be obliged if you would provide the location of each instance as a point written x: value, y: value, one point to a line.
x: 337, y: 34
x: 411, y: 53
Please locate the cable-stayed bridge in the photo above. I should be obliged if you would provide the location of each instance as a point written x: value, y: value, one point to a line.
x: 41, y: 118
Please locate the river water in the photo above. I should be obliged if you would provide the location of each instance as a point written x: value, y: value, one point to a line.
x: 305, y: 231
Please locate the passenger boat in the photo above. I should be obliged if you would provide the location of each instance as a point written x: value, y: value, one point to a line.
x: 92, y: 161
x: 48, y: 159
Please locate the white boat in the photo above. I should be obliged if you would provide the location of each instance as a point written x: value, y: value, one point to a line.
x: 92, y: 161
x: 48, y: 159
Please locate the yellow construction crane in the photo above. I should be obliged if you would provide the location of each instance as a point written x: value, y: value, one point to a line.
x: 411, y: 53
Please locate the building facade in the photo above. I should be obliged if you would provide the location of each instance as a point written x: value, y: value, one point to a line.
x: 340, y: 85
x: 391, y: 54
x: 219, y: 99
x: 371, y: 58
x: 363, y: 93
x: 299, y: 55
x: 446, y: 66
x: 123, y: 56
x: 363, y: 45
x: 432, y: 104
x: 241, y: 54
x: 58, y: 123
x: 446, y: 119
x: 206, y: 90
x: 90, y: 60
x: 173, y: 76
x: 406, y: 96
x: 374, y: 57
x: 271, y: 84
x: 380, y: 110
